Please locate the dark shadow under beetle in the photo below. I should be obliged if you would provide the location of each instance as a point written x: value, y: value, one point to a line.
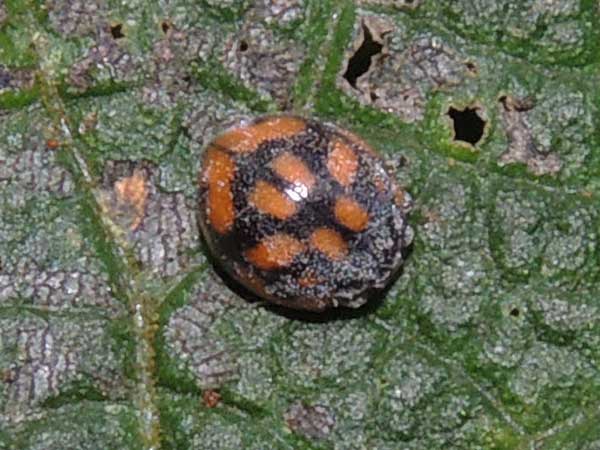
x: 376, y: 297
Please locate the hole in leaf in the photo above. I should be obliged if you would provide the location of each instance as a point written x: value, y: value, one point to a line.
x: 468, y: 126
x: 117, y: 31
x: 515, y: 312
x: 243, y: 46
x: 471, y: 66
x: 361, y: 60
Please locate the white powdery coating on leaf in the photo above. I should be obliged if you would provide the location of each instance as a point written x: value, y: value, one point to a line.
x: 565, y: 315
x: 313, y: 421
x: 263, y: 61
x: 42, y: 357
x: 58, y: 289
x: 106, y: 61
x: 171, y: 79
x: 546, y: 366
x: 167, y: 230
x: 191, y: 336
x: 32, y: 171
x: 76, y: 17
x: 281, y: 12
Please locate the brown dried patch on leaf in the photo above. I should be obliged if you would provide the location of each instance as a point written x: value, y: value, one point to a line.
x: 263, y: 61
x: 522, y: 147
x: 381, y: 71
x: 159, y: 226
x: 312, y: 421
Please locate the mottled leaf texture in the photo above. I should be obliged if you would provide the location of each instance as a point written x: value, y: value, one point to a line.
x: 117, y: 333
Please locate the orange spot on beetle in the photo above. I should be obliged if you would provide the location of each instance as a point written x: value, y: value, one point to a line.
x: 351, y: 214
x: 270, y: 200
x: 247, y: 139
x: 132, y: 191
x: 329, y: 242
x: 275, y: 252
x: 218, y: 174
x: 308, y: 279
x: 342, y: 163
x: 293, y: 170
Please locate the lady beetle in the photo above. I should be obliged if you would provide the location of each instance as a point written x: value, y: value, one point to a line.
x: 302, y: 213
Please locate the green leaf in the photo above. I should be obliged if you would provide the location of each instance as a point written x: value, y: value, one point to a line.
x: 115, y: 330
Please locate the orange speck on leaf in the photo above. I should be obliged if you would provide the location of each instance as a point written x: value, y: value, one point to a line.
x: 211, y: 398
x: 133, y: 191
x: 52, y: 144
